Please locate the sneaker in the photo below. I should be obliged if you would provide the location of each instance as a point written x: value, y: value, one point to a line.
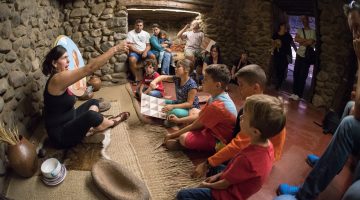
x: 285, y: 197
x: 312, y: 159
x: 287, y: 189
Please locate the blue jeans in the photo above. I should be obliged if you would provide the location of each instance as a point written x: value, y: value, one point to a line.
x: 345, y: 141
x: 194, y: 193
x: 353, y: 192
x: 165, y: 65
x: 154, y: 93
x: 139, y: 56
x: 347, y: 109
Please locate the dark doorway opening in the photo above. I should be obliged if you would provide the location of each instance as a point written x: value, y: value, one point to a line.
x: 289, y: 12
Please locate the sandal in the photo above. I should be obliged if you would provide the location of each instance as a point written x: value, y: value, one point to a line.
x: 312, y: 159
x: 123, y: 116
x: 287, y: 189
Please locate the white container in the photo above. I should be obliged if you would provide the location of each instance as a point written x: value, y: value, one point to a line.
x: 50, y: 168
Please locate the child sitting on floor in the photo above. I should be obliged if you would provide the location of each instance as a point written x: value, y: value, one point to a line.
x: 212, y: 129
x: 185, y: 108
x: 263, y: 117
x: 251, y: 80
x: 166, y: 43
x: 150, y: 75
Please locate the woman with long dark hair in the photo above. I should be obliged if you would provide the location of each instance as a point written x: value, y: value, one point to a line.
x: 281, y: 42
x: 213, y: 58
x: 65, y: 125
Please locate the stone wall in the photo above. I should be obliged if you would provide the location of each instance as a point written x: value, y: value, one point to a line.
x: 28, y: 28
x: 95, y: 26
x: 236, y: 25
x: 335, y: 55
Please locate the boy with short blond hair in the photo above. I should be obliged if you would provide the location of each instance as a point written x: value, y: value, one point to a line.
x: 263, y: 117
x: 216, y: 120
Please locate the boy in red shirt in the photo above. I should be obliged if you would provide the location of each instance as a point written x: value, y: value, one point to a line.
x: 150, y: 75
x: 263, y: 117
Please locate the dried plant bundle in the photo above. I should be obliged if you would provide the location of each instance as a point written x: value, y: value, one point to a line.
x: 10, y: 136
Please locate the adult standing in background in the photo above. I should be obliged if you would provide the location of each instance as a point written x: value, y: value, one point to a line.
x: 346, y: 139
x: 281, y: 43
x: 139, y: 46
x: 305, y: 37
x: 193, y: 39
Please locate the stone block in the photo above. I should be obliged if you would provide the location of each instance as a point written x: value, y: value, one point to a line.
x: 11, y: 56
x: 97, y: 9
x: 106, y: 46
x: 9, y: 94
x: 3, y: 85
x: 5, y: 29
x: 4, y: 12
x: 79, y: 12
x: 120, y: 67
x: 5, y: 46
x: 17, y: 78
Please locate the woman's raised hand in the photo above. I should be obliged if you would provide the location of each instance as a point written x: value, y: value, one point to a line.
x: 122, y: 47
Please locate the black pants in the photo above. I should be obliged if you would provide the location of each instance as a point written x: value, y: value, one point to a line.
x: 281, y: 66
x: 301, y: 71
x: 73, y: 131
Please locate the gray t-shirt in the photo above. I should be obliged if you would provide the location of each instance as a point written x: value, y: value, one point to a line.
x: 193, y: 40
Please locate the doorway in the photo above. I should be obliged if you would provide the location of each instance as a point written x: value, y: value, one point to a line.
x: 284, y: 12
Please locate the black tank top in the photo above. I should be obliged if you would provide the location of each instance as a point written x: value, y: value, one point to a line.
x: 58, y: 110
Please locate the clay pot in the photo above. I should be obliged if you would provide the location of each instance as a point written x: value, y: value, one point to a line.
x: 22, y: 158
x: 95, y: 82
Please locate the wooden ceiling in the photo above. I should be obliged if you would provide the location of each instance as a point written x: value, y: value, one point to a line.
x: 297, y: 7
x: 160, y: 15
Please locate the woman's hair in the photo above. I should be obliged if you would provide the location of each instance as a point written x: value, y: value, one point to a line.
x: 353, y: 5
x: 217, y: 47
x: 266, y: 113
x: 186, y: 64
x: 54, y: 54
x: 281, y: 24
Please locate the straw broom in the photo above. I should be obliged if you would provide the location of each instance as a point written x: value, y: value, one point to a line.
x: 9, y: 136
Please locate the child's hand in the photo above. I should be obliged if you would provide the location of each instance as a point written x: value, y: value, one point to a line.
x: 200, y: 170
x: 167, y: 108
x: 152, y: 85
x: 204, y: 185
x: 173, y: 118
x: 212, y: 179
